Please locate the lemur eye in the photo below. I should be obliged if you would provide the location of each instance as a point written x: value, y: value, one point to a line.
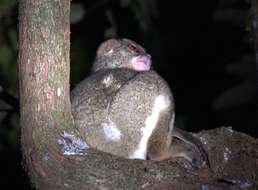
x: 133, y: 47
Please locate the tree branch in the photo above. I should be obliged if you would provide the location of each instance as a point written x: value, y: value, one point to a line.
x: 55, y: 155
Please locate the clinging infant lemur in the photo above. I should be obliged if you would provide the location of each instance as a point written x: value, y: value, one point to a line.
x: 127, y: 109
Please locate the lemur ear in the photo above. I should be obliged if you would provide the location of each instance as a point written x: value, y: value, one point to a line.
x: 107, y: 47
x: 110, y: 52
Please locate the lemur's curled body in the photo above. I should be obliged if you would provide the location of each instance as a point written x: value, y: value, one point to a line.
x: 127, y: 109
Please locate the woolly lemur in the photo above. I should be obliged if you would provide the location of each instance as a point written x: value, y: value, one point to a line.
x: 127, y: 109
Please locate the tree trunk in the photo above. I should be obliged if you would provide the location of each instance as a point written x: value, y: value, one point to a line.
x: 55, y: 155
x: 44, y: 36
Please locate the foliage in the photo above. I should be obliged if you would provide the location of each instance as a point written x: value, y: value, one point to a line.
x: 245, y: 92
x: 9, y: 125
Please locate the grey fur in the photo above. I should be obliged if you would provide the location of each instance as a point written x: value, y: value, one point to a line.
x: 126, y: 106
x: 116, y: 95
x: 111, y: 106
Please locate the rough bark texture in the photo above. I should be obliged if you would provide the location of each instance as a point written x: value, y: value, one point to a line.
x: 55, y: 155
x: 44, y: 35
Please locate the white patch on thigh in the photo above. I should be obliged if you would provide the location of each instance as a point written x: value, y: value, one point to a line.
x: 150, y: 123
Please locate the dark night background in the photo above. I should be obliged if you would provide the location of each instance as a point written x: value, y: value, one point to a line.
x: 203, y: 49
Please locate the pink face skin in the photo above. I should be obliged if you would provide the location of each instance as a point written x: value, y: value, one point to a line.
x: 141, y: 63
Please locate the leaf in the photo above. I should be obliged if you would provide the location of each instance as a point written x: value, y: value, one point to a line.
x: 228, y: 2
x: 235, y: 16
x: 77, y: 12
x: 5, y: 56
x: 6, y: 4
x: 241, y: 94
x: 12, y: 34
x: 246, y: 68
x: 145, y: 11
x: 111, y: 32
x: 4, y: 106
x: 125, y: 3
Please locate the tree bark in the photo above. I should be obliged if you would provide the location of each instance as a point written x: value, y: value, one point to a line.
x: 44, y: 36
x: 55, y: 155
